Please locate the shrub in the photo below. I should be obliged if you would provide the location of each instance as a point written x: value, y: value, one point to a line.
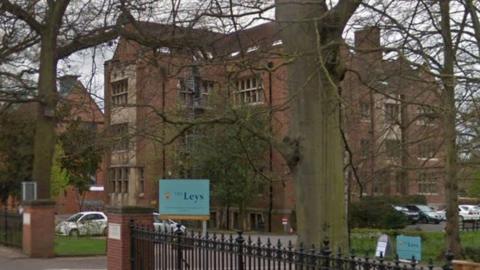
x: 375, y: 213
x: 473, y: 253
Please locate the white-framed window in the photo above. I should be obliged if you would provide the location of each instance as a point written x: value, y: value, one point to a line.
x: 249, y: 90
x: 120, y: 92
x: 427, y: 183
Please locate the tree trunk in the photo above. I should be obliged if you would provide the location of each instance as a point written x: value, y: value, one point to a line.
x: 315, y: 129
x: 451, y: 184
x: 45, y: 121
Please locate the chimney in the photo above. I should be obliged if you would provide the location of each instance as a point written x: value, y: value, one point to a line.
x: 367, y: 43
x: 66, y: 83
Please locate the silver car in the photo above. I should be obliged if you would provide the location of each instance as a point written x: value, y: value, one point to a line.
x: 166, y: 225
x: 83, y: 223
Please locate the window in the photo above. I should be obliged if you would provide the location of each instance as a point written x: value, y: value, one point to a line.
x: 142, y: 180
x: 205, y: 90
x: 365, y: 110
x: 120, y: 92
x: 392, y: 113
x: 185, y: 94
x: 98, y: 217
x: 426, y: 150
x: 427, y: 183
x: 119, y: 179
x: 425, y: 115
x: 249, y: 91
x: 120, y: 137
x: 392, y: 148
x: 364, y: 147
x: 194, y: 92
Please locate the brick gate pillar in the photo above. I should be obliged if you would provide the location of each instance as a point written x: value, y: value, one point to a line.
x: 118, y: 241
x: 39, y: 228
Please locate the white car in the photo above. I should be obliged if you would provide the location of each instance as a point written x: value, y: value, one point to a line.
x: 468, y: 212
x: 83, y: 223
x: 167, y: 225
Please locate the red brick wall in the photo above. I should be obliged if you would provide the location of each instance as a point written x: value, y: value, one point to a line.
x: 38, y: 236
x: 118, y: 251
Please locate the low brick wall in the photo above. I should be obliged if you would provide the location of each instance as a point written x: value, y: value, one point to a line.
x: 465, y: 265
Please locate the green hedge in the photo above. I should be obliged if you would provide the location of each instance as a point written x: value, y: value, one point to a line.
x: 377, y: 212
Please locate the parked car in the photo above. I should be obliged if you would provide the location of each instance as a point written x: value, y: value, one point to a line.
x: 468, y: 212
x: 426, y: 214
x: 442, y: 213
x: 166, y: 225
x: 83, y: 223
x: 412, y: 216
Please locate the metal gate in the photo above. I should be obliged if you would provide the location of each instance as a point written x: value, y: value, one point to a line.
x: 11, y: 229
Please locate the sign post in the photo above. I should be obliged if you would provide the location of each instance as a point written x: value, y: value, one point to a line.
x: 382, y: 246
x: 185, y: 199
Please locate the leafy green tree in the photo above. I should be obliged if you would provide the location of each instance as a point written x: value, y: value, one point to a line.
x: 16, y: 152
x: 60, y: 180
x: 232, y: 156
x: 82, y: 154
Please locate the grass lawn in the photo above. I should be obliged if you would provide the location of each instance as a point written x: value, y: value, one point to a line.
x: 81, y: 246
x: 364, y: 242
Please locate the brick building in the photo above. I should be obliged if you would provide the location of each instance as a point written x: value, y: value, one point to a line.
x: 81, y: 107
x: 76, y: 104
x: 146, y: 88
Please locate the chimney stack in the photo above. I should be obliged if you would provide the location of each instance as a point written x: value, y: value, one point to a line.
x: 367, y: 43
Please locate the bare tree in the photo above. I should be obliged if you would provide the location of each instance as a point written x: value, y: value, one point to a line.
x: 55, y: 30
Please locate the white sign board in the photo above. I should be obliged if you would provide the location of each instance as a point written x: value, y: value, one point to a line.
x: 114, y: 231
x: 26, y: 218
x: 382, y: 245
x: 284, y: 221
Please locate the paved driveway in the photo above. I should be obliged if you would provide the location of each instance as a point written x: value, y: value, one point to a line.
x: 12, y: 259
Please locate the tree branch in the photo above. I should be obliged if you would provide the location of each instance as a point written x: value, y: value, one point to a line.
x: 21, y: 14
x: 84, y: 42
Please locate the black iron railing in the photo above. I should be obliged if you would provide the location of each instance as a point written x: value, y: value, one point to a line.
x: 470, y: 225
x: 11, y: 229
x: 179, y: 251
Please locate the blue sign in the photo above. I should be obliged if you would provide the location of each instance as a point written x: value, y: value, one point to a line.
x: 408, y: 247
x: 184, y: 199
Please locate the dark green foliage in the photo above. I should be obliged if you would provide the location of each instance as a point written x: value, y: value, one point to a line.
x: 472, y: 253
x: 372, y: 212
x: 402, y: 200
x: 82, y: 154
x: 233, y: 155
x: 16, y: 152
